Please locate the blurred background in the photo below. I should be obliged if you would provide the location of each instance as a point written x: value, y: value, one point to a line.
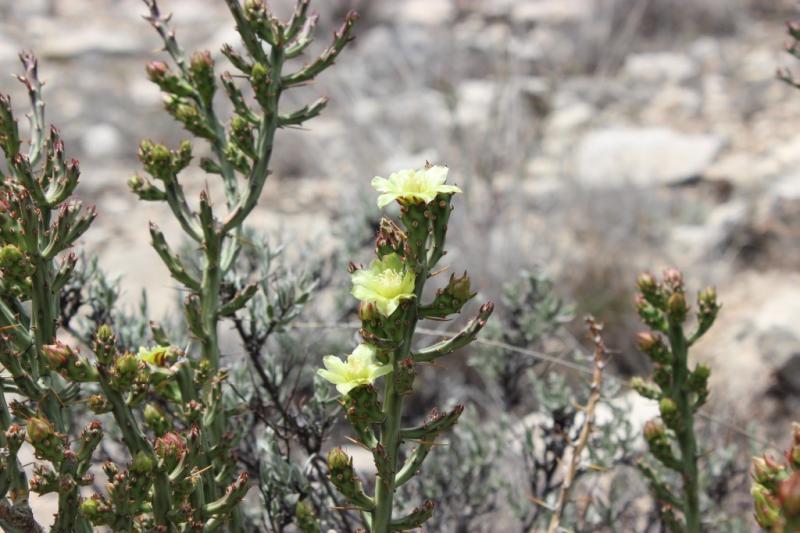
x: 593, y: 139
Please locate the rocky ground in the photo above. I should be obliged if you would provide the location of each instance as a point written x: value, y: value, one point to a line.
x: 590, y: 145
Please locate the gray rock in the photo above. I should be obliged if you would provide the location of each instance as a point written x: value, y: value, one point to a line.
x: 786, y: 189
x: 570, y: 116
x: 671, y: 102
x: 660, y: 66
x: 475, y: 99
x: 779, y: 212
x: 9, y: 50
x: 106, y: 41
x: 780, y: 347
x: 697, y: 242
x: 426, y: 12
x: 644, y: 157
x: 102, y: 141
x: 550, y: 11
x: 754, y: 347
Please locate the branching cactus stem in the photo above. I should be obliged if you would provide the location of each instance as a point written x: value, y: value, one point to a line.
x: 679, y: 390
x: 38, y: 221
x: 391, y: 291
x: 242, y: 151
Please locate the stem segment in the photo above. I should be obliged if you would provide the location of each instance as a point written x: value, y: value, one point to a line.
x: 393, y: 406
x: 685, y: 433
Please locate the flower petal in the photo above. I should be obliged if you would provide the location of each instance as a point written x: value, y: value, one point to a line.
x: 333, y: 363
x: 387, y: 307
x: 427, y: 196
x: 390, y: 262
x: 451, y: 189
x: 344, y: 388
x: 336, y: 379
x: 364, y: 293
x: 381, y: 371
x: 386, y: 199
x: 381, y: 184
x: 437, y: 174
x: 364, y: 351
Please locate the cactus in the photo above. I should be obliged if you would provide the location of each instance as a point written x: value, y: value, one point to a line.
x: 159, y: 486
x: 679, y: 390
x: 391, y: 295
x: 243, y: 147
x: 38, y: 222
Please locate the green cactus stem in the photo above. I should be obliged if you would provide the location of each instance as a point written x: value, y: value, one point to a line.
x: 38, y: 222
x: 679, y: 390
x: 244, y: 149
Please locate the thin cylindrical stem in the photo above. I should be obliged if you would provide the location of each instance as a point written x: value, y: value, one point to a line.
x: 685, y: 433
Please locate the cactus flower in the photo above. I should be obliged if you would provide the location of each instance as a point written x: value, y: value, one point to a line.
x: 359, y: 369
x: 413, y: 186
x: 385, y: 284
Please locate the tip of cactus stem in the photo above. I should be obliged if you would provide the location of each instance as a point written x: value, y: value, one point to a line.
x: 338, y: 459
x: 142, y: 463
x: 677, y: 307
x: 789, y: 495
x: 90, y: 507
x: 38, y: 429
x: 674, y: 278
x: 156, y: 70
x: 58, y: 355
x: 646, y: 341
x: 646, y: 282
x: 653, y: 429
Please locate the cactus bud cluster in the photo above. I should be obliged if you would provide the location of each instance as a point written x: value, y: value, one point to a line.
x: 450, y: 299
x: 776, y: 489
x: 15, y: 270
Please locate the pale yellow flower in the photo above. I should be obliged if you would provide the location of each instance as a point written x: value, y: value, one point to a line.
x: 384, y: 284
x: 413, y: 186
x: 361, y: 368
